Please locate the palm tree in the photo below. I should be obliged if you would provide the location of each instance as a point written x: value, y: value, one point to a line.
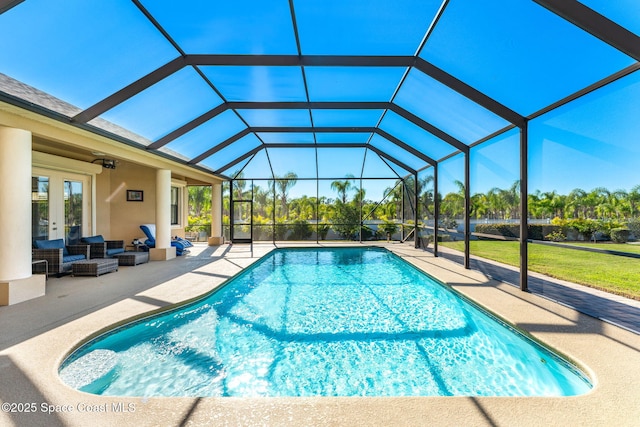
x: 512, y: 199
x: 359, y: 196
x: 591, y: 201
x: 634, y: 199
x: 238, y: 185
x: 261, y: 200
x: 601, y: 196
x: 576, y: 207
x: 199, y: 199
x: 283, y: 184
x: 553, y: 204
x: 618, y: 201
x: 426, y: 196
x: 480, y: 205
x: 497, y: 203
x: 535, y: 209
x: 341, y: 187
x: 303, y: 207
x: 393, y: 207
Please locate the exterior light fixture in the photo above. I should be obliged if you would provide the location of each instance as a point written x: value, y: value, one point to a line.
x: 106, y: 163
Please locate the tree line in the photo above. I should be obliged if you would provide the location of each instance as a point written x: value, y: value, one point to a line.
x: 504, y: 204
x: 349, y: 205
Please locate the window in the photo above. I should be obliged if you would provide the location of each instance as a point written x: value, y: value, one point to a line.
x: 175, y: 205
x: 40, y: 207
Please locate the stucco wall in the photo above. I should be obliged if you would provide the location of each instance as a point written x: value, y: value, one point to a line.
x: 126, y: 217
x: 103, y: 210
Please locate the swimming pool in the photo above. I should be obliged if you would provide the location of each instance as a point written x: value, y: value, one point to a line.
x: 323, y: 322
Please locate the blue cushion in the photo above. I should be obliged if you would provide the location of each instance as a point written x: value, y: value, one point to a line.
x: 185, y: 242
x: 179, y: 247
x: 52, y: 244
x: 112, y: 252
x: 149, y: 232
x: 49, y: 244
x: 93, y: 239
x: 71, y: 258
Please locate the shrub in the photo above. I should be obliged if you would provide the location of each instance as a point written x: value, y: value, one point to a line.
x: 346, y: 220
x: 575, y: 227
x: 535, y: 231
x: 620, y: 234
x: 198, y: 224
x: 280, y: 229
x: 262, y: 228
x: 634, y: 227
x: 556, y: 236
x: 605, y: 227
x: 506, y: 230
x: 301, y: 230
x: 323, y: 230
x: 367, y: 233
x: 389, y: 227
x: 449, y: 224
x: 586, y: 227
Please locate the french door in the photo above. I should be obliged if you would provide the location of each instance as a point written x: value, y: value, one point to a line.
x: 61, y: 205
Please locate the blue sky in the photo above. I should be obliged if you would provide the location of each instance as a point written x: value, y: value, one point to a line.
x: 593, y: 142
x: 496, y: 46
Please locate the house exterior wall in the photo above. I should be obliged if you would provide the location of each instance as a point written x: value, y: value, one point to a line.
x: 127, y: 216
x: 103, y: 203
x: 115, y: 218
x: 60, y: 146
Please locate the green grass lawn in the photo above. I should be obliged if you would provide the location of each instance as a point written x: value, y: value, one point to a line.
x: 620, y: 247
x: 611, y: 273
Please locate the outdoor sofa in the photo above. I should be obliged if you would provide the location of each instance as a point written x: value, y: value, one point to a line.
x: 101, y: 248
x: 59, y: 256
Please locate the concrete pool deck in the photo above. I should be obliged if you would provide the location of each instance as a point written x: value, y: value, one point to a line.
x: 36, y: 335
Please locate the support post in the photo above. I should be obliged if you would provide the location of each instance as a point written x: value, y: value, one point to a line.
x: 360, y: 203
x: 436, y: 210
x: 404, y: 189
x: 524, y: 207
x: 231, y: 216
x: 273, y: 213
x: 216, y: 215
x: 467, y: 208
x: 16, y: 282
x: 163, y: 250
x: 416, y: 230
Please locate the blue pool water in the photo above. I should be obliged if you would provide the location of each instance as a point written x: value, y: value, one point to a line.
x: 323, y: 322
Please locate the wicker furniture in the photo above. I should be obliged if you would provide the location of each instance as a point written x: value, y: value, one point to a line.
x: 101, y: 248
x: 36, y: 268
x: 58, y: 256
x: 132, y: 258
x: 94, y: 267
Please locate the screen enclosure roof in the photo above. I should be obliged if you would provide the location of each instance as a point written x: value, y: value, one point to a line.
x: 382, y: 87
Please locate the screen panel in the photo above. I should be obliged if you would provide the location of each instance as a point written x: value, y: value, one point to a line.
x: 376, y: 27
x: 227, y: 27
x: 502, y: 51
x: 165, y: 106
x: 80, y: 52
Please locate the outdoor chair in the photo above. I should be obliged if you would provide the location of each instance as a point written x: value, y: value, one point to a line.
x: 150, y: 232
x: 101, y: 248
x: 59, y: 256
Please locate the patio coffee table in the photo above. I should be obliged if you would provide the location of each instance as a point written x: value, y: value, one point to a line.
x: 94, y: 267
x: 132, y: 258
